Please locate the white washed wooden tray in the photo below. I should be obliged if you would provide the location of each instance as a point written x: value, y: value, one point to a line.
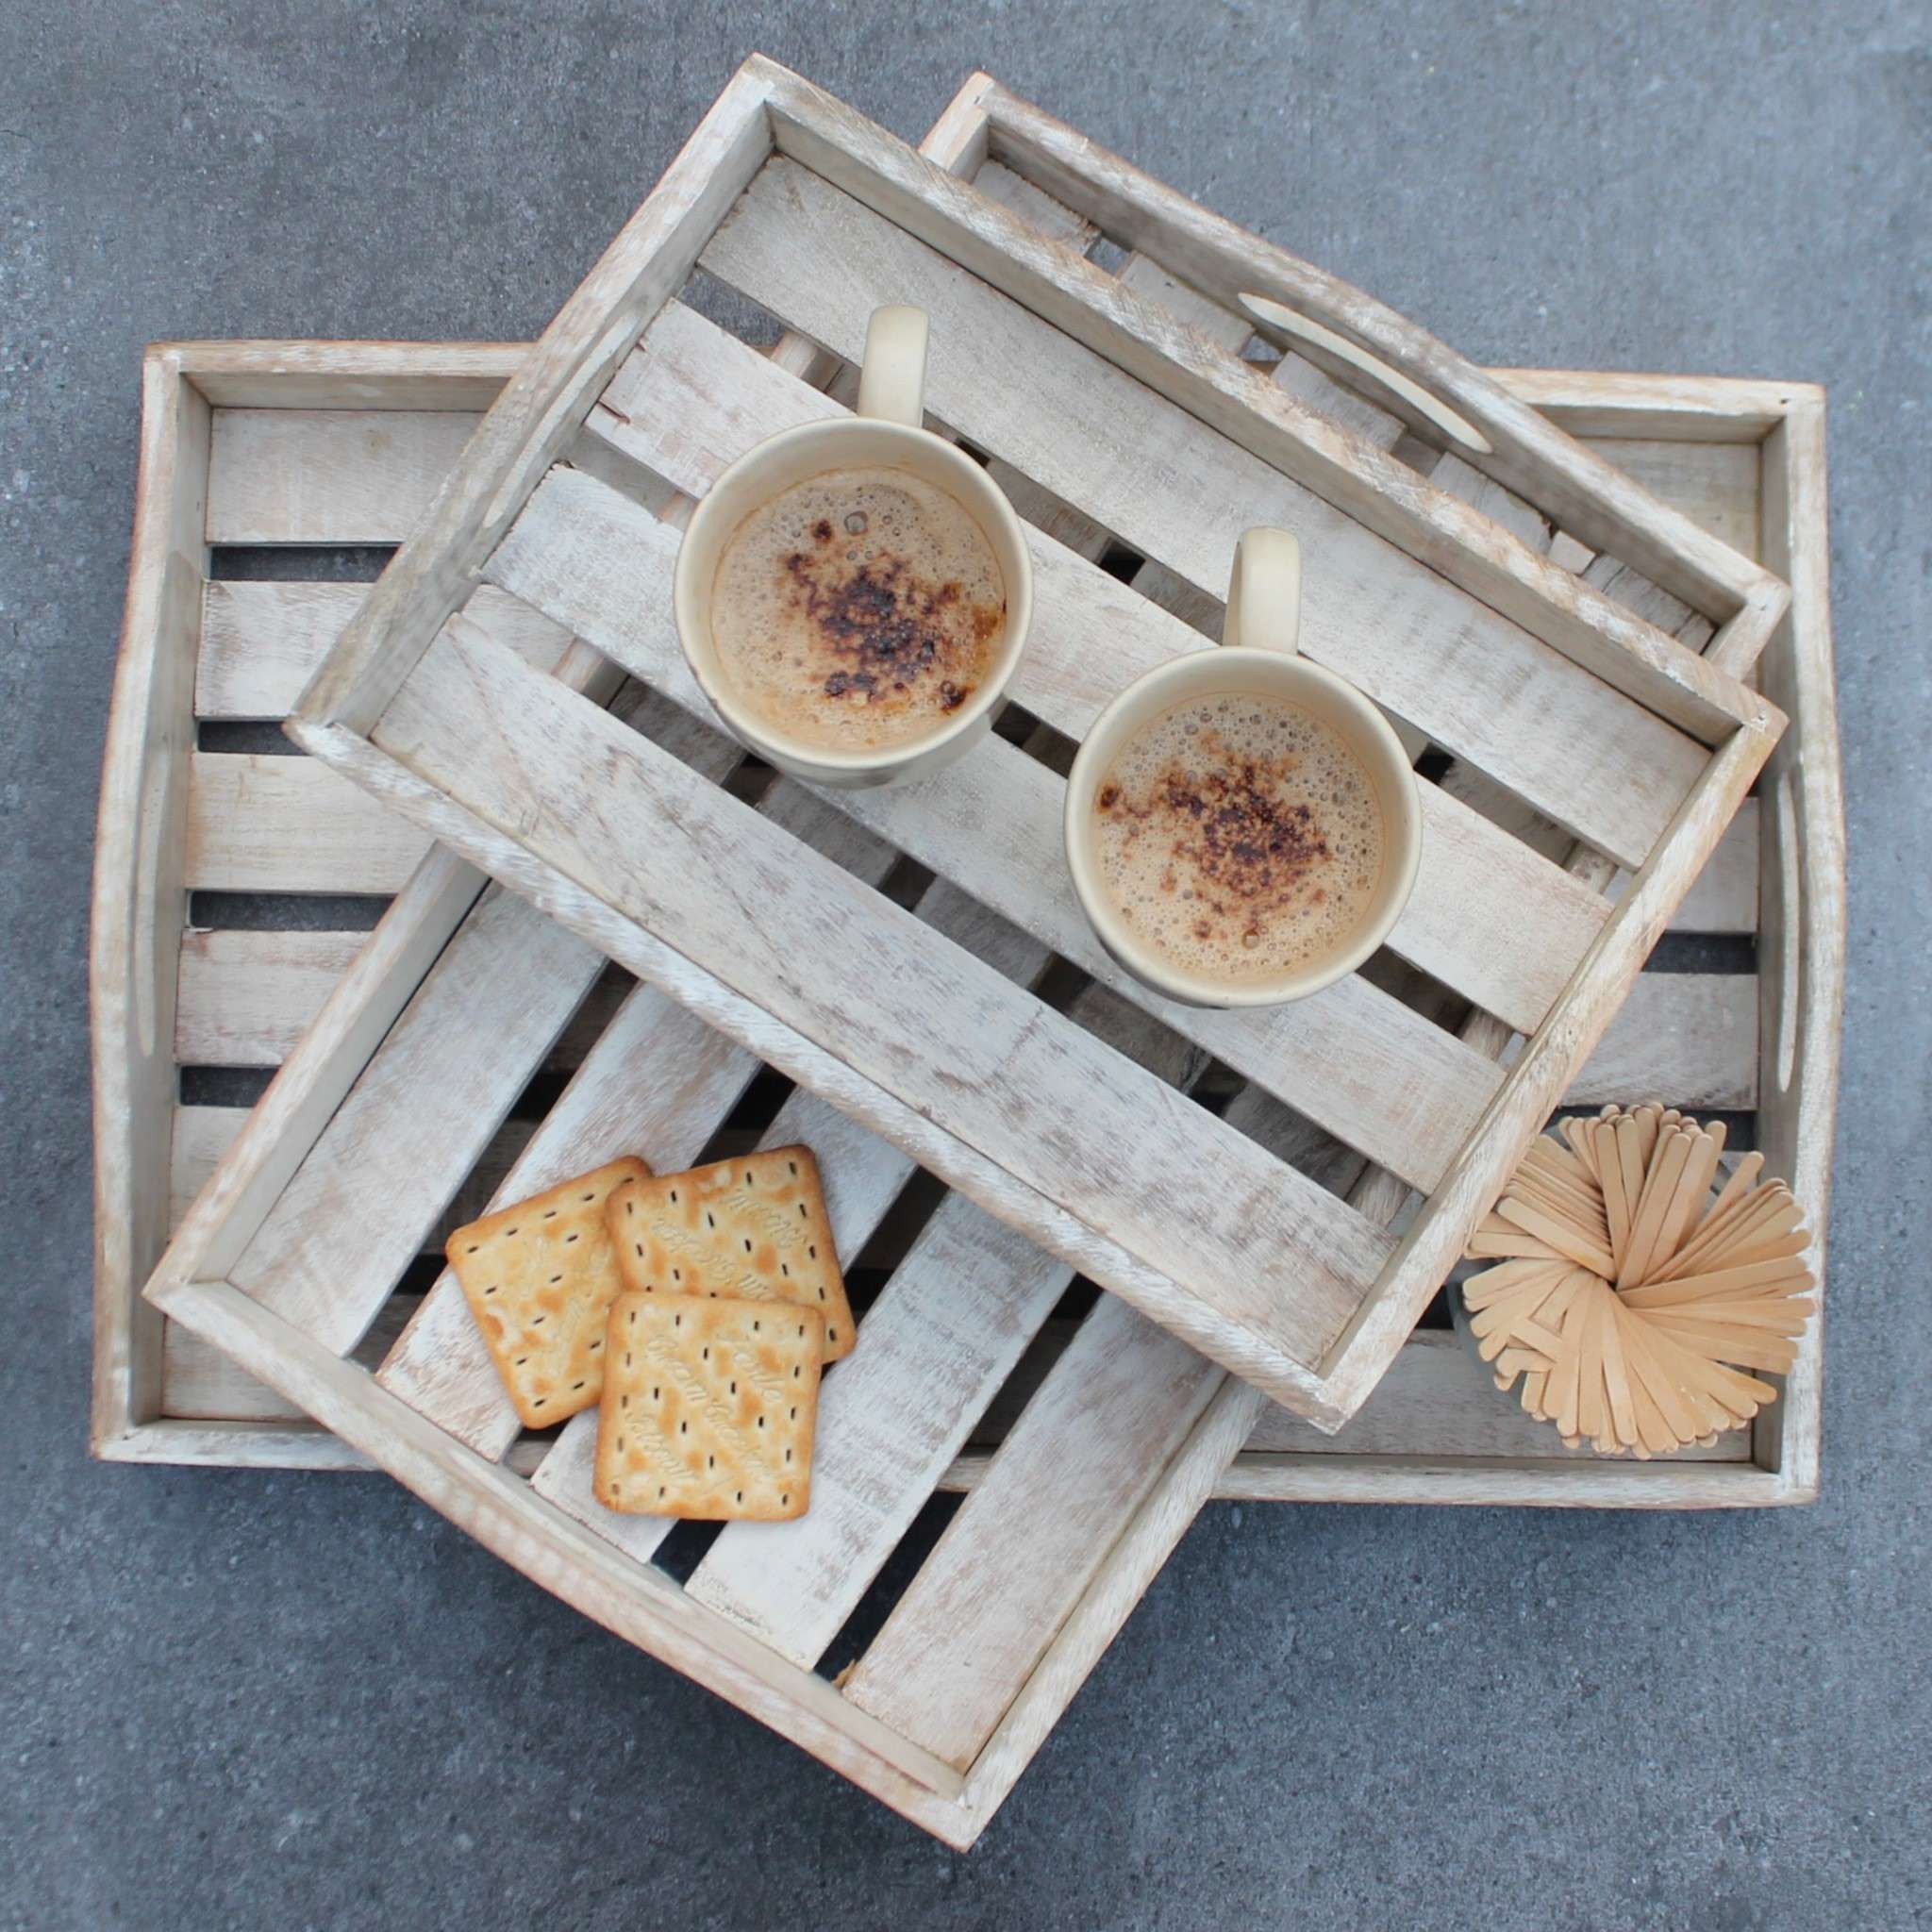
x: 303, y: 444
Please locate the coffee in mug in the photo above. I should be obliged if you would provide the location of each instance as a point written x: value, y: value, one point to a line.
x: 1238, y: 838
x: 857, y: 609
x: 854, y: 594
x: 1242, y: 827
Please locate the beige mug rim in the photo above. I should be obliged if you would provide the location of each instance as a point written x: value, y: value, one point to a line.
x: 1192, y: 990
x: 778, y: 745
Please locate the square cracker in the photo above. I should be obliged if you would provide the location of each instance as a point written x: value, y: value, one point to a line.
x: 709, y: 1407
x: 755, y: 1228
x: 539, y: 1278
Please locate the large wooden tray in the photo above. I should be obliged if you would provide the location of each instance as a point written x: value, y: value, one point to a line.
x: 285, y: 445
x: 1125, y: 1432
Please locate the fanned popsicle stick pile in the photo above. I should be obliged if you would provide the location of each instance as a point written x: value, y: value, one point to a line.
x: 1629, y: 1300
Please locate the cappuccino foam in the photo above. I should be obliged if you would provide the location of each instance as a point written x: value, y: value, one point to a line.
x: 1238, y: 838
x: 857, y: 609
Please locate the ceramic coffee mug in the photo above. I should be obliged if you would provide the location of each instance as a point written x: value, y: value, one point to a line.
x: 885, y: 434
x: 1259, y: 659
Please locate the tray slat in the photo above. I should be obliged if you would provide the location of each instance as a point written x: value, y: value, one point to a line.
x: 329, y: 476
x: 1179, y: 491
x: 262, y: 640
x: 262, y: 823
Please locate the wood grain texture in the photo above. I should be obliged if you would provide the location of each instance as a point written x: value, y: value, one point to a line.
x: 870, y: 1173
x: 298, y: 374
x: 603, y: 789
x: 262, y: 641
x: 246, y: 997
x: 1689, y: 1038
x: 1715, y: 484
x: 541, y: 409
x: 1803, y: 943
x: 1582, y: 401
x: 1435, y: 1238
x: 1181, y: 492
x: 1437, y: 1402
x: 499, y: 1510
x: 262, y: 822
x: 658, y: 1084
x: 329, y: 476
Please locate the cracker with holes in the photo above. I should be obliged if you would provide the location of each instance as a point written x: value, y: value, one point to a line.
x: 539, y: 1279
x: 708, y: 1408
x: 755, y: 1228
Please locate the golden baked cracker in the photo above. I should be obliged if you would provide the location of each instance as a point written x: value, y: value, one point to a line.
x: 755, y: 1228
x: 539, y: 1279
x: 708, y: 1408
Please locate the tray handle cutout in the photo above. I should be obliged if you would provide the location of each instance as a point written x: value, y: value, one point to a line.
x: 1790, y: 915
x: 1451, y: 422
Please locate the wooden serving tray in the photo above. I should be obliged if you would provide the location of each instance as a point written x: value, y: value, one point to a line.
x: 1593, y: 713
x: 1127, y: 1432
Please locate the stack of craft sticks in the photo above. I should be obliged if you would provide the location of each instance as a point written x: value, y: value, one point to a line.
x: 1626, y: 1298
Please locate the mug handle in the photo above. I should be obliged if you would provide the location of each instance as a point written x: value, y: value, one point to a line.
x: 891, y: 379
x: 1264, y: 596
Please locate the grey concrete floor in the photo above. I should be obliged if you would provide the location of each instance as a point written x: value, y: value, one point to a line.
x: 250, y: 1700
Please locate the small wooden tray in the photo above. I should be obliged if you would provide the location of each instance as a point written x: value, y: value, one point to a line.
x: 1133, y: 1493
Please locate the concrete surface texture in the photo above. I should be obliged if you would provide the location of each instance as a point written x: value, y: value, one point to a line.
x: 274, y: 1700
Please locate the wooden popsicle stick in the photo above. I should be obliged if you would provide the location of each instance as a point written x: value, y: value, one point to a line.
x: 1752, y: 1278
x: 1787, y: 1315
x: 1719, y: 1233
x: 1590, y: 1367
x: 1631, y: 1162
x: 1565, y: 1239
x: 1654, y: 1433
x: 1659, y: 1182
x: 1586, y: 1219
x: 1650, y: 1370
x: 1564, y: 1160
x: 1519, y: 1362
x: 1693, y: 1191
x: 1616, y: 1203
x: 1561, y: 1170
x: 1617, y: 1376
x: 1797, y: 1241
x: 1746, y: 1349
x: 1767, y: 1228
x: 1535, y: 1386
x: 1535, y: 1334
x: 1518, y: 1245
x: 1743, y: 1177
x: 1586, y: 1209
x: 1741, y: 1395
x: 1505, y: 1316
x: 1481, y: 1289
x: 1567, y: 1374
